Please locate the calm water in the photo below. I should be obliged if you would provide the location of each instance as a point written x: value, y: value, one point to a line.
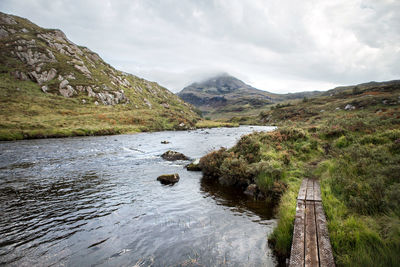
x: 95, y: 201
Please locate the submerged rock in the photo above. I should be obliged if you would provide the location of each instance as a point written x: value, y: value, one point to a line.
x: 168, y: 178
x: 194, y: 166
x: 173, y: 155
x: 251, y: 190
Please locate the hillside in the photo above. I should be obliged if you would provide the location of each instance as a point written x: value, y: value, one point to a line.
x: 225, y: 96
x: 349, y: 139
x: 50, y: 87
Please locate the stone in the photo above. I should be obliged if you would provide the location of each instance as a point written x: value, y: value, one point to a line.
x: 194, y: 166
x: 349, y: 107
x: 70, y: 76
x: 147, y: 102
x: 251, y: 190
x: 164, y: 142
x: 63, y: 84
x: 3, y: 33
x: 173, y: 155
x: 68, y: 91
x: 165, y: 105
x: 84, y: 70
x: 96, y: 103
x: 51, y: 74
x: 20, y: 75
x: 45, y: 88
x: 83, y: 101
x: 168, y: 179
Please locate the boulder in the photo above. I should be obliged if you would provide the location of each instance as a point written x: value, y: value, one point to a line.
x: 251, y: 190
x: 3, y: 33
x: 168, y: 178
x: 194, y: 166
x: 164, y: 142
x: 68, y: 91
x: 173, y: 155
x: 349, y: 107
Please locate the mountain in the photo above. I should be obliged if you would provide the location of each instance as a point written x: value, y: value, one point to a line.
x: 50, y: 86
x: 225, y: 95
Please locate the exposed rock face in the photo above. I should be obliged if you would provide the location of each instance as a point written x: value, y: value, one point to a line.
x: 173, y: 155
x: 169, y: 179
x: 39, y: 52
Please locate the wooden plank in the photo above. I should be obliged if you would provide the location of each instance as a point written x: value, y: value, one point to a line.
x: 297, y: 251
x: 303, y: 190
x: 317, y: 191
x: 324, y: 244
x: 310, y: 190
x: 311, y: 245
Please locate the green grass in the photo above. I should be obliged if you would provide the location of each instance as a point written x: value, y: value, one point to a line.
x: 27, y: 112
x: 355, y: 155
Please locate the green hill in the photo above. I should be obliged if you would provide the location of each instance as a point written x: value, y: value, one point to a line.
x: 50, y: 87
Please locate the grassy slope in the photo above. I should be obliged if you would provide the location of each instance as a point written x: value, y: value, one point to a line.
x: 27, y: 112
x: 355, y: 154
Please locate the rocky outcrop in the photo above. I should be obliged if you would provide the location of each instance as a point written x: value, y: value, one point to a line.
x: 173, y: 155
x: 168, y: 179
x: 39, y: 53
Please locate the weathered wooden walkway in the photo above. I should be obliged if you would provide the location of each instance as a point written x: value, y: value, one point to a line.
x: 311, y: 245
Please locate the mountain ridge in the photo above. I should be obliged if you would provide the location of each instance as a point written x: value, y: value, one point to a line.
x: 227, y: 94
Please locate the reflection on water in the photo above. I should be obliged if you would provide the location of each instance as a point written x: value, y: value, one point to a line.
x: 95, y: 201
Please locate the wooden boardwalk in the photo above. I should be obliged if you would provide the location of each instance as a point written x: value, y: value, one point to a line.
x: 311, y: 245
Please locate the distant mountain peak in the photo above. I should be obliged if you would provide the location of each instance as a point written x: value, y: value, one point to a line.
x: 223, y: 90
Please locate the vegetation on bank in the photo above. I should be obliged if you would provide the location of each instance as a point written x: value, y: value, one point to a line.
x: 29, y: 113
x: 350, y: 141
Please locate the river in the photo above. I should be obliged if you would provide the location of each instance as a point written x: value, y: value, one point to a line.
x: 95, y: 201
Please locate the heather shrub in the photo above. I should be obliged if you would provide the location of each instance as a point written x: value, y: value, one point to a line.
x: 210, y: 164
x: 235, y: 171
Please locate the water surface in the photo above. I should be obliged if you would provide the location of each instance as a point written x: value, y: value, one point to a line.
x: 95, y: 201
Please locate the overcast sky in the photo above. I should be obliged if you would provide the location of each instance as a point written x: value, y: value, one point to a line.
x: 277, y: 45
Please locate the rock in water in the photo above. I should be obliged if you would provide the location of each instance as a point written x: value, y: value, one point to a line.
x: 173, y: 155
x: 168, y: 178
x: 251, y: 190
x: 164, y: 142
x: 194, y: 166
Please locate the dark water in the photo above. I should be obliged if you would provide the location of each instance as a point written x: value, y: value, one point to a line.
x: 95, y: 201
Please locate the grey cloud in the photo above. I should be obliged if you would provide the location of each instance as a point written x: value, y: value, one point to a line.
x: 279, y: 46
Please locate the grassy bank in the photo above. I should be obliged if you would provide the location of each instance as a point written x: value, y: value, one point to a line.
x: 29, y: 113
x: 354, y: 152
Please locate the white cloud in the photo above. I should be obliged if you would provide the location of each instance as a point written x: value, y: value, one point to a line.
x: 279, y: 46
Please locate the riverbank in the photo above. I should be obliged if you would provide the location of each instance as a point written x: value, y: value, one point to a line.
x: 353, y: 151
